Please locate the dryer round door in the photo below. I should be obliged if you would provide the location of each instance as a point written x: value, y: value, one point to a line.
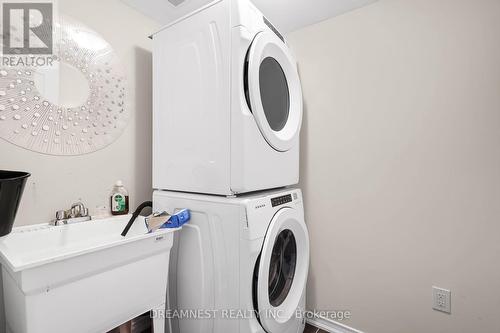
x: 273, y: 91
x: 283, y: 268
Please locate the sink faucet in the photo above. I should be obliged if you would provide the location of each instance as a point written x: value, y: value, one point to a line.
x: 78, y: 210
x: 77, y: 213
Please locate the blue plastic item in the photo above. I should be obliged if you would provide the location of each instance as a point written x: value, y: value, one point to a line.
x: 178, y: 219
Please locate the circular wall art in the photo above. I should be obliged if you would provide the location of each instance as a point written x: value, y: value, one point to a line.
x: 72, y: 106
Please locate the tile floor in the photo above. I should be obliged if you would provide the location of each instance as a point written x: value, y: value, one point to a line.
x: 312, y: 329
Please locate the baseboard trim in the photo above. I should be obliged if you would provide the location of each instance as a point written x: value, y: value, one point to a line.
x: 331, y: 326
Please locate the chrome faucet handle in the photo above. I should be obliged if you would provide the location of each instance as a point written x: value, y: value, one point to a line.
x: 77, y: 213
x: 78, y: 209
x: 60, y: 215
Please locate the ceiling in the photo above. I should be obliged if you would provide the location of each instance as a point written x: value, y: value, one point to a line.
x: 287, y: 15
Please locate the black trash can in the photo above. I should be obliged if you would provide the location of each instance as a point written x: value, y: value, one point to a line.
x: 11, y: 190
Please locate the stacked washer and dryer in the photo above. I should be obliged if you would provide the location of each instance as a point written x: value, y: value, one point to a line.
x: 227, y: 114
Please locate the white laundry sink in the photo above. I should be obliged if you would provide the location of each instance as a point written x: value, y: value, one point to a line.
x: 82, y: 277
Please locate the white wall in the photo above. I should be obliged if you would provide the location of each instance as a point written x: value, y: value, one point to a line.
x: 286, y: 15
x: 56, y: 182
x: 401, y: 163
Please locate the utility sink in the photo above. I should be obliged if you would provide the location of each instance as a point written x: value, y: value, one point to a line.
x: 83, y: 277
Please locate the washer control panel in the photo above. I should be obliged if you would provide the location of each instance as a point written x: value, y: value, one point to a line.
x: 278, y: 201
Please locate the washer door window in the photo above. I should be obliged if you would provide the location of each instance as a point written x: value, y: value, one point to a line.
x: 273, y: 90
x: 282, y: 271
x: 282, y: 267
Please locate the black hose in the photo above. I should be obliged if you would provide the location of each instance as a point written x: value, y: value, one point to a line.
x: 134, y: 216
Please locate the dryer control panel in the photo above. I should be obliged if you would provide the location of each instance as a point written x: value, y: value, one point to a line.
x: 278, y: 201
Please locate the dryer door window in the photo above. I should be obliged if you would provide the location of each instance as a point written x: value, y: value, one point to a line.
x: 281, y: 272
x: 273, y: 91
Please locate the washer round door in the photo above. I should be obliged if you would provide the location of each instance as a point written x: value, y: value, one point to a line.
x: 282, y: 271
x: 273, y: 91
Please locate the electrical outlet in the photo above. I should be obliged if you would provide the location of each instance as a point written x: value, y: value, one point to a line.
x: 441, y: 299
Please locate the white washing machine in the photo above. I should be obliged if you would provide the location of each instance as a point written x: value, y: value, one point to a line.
x: 239, y: 265
x: 227, y: 103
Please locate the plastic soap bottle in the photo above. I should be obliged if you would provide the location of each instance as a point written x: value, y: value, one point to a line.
x: 119, y: 199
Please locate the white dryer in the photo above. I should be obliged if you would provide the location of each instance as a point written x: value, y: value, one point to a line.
x: 239, y: 265
x: 227, y: 103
